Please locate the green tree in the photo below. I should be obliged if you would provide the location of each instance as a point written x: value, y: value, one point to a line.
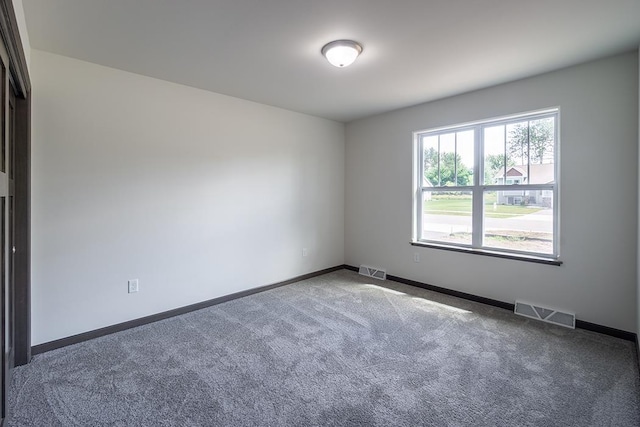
x: 494, y: 161
x: 531, y: 141
x: 447, y: 171
x: 431, y: 164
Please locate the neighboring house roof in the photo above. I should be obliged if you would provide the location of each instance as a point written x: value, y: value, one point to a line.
x: 540, y: 173
x: 517, y: 171
x: 426, y: 182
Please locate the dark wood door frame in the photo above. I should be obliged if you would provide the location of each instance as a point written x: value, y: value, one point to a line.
x: 21, y: 84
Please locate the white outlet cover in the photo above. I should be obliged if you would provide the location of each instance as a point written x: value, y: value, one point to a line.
x: 133, y: 285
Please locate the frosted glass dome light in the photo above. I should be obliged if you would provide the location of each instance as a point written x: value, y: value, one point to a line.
x: 341, y: 53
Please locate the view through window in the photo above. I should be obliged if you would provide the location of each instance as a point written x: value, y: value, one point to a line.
x: 490, y: 185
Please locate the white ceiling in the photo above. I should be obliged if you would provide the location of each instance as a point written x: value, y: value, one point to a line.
x: 268, y: 51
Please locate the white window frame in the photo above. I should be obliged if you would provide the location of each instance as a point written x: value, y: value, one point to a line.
x: 478, y: 188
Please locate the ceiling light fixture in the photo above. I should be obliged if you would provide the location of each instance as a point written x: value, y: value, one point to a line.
x: 341, y: 53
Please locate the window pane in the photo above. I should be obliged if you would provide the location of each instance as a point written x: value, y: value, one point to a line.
x: 517, y: 150
x: 447, y: 159
x: 430, y: 159
x: 519, y: 220
x: 446, y: 216
x: 541, y: 141
x: 465, y: 157
x: 494, y: 155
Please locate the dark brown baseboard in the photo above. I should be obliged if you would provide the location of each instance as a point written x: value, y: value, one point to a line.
x: 85, y: 336
x: 618, y: 333
x: 463, y: 295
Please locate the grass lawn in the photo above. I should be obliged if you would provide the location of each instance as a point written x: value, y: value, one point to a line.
x: 462, y: 206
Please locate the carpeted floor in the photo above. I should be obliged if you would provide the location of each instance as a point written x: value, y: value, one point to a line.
x: 336, y: 350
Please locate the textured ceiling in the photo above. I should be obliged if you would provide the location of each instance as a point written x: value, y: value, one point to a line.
x: 268, y: 51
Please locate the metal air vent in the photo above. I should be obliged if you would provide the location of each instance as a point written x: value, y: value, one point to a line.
x: 376, y: 273
x: 549, y: 315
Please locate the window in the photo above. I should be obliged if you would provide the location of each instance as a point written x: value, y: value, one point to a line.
x: 490, y: 187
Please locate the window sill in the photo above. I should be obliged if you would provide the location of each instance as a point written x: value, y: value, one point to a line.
x: 485, y: 252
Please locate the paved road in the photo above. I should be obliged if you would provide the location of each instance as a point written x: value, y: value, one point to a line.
x: 540, y: 222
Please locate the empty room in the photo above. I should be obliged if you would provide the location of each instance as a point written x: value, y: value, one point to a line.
x: 329, y: 213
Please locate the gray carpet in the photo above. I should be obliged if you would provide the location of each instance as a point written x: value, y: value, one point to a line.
x: 335, y: 351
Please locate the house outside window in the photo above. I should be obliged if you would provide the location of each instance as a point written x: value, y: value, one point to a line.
x: 489, y: 186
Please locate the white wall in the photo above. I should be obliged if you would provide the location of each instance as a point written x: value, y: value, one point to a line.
x: 196, y: 194
x: 22, y: 29
x: 599, y: 193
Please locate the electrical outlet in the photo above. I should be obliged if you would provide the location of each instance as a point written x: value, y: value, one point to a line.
x: 416, y: 257
x: 133, y: 285
x: 305, y: 251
